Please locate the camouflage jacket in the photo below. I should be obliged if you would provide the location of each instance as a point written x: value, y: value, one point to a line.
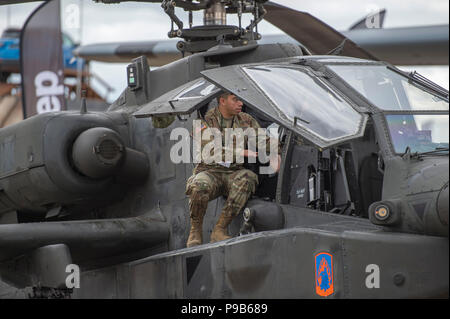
x: 244, y: 121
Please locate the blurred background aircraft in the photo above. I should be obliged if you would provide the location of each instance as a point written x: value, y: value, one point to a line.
x: 10, y: 55
x: 90, y: 23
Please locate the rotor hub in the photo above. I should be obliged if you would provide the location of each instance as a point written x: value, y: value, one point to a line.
x: 215, y: 30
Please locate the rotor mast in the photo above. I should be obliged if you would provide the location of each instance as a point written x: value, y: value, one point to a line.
x: 216, y: 14
x: 215, y: 30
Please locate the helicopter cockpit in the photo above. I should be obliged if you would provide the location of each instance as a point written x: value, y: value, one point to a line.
x: 328, y: 111
x: 287, y: 94
x: 416, y: 115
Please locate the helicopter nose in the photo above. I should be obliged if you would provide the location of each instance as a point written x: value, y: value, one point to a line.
x: 442, y: 205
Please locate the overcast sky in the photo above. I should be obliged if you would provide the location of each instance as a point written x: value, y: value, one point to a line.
x: 102, y: 23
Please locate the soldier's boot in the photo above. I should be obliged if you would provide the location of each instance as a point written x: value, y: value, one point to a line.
x: 220, y: 231
x: 198, y: 203
x: 196, y: 232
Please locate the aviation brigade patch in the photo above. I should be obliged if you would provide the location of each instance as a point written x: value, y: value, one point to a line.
x: 324, y: 274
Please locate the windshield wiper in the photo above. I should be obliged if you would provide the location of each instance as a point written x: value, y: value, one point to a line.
x: 424, y: 83
x: 435, y: 151
x: 418, y: 155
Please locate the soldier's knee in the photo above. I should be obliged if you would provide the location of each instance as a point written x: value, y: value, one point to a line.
x: 250, y: 186
x: 244, y: 188
x: 249, y: 175
x: 246, y: 181
x: 198, y: 190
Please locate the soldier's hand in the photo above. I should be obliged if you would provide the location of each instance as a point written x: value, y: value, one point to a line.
x: 275, y: 163
x: 250, y: 154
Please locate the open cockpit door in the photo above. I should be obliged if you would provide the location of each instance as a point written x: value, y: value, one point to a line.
x: 295, y: 97
x: 180, y: 101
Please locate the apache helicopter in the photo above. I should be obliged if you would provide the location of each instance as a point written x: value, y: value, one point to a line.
x: 359, y: 208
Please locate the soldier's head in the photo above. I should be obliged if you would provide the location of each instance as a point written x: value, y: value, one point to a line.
x: 229, y: 104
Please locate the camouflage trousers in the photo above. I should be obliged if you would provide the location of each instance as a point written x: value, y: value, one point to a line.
x: 237, y: 185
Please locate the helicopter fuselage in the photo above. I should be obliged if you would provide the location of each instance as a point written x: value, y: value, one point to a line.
x: 347, y: 216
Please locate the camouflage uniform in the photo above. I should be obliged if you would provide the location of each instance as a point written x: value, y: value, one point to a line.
x: 209, y: 181
x: 163, y: 121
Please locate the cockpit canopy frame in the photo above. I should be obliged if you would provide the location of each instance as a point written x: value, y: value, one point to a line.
x: 311, y: 107
x: 308, y: 95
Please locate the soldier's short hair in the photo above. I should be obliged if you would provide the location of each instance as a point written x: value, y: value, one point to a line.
x: 223, y: 95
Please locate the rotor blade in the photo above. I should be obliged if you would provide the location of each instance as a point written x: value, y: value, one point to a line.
x: 422, y: 45
x: 157, y: 52
x: 316, y: 35
x: 119, y: 1
x: 426, y: 45
x: 6, y: 2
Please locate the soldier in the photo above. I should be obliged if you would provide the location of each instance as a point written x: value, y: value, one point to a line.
x: 209, y: 181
